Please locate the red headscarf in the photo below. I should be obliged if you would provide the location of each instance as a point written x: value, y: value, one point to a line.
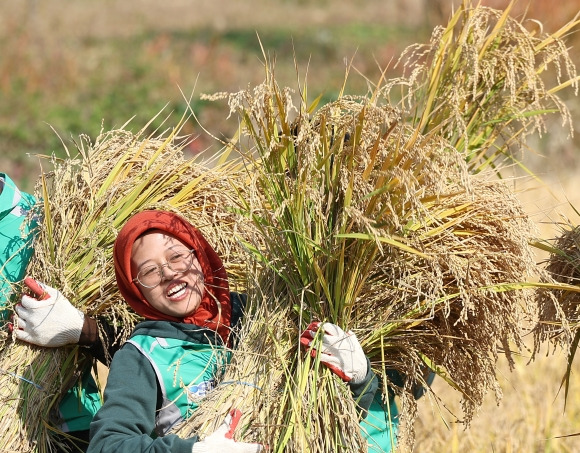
x: 214, y: 311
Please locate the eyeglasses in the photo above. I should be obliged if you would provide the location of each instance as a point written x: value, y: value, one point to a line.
x: 179, y: 262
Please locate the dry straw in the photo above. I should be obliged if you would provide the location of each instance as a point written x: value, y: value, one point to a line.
x: 85, y: 201
x: 381, y: 218
x: 559, y: 317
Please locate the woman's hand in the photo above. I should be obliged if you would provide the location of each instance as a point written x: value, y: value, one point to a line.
x: 340, y: 351
x: 48, y: 318
x: 221, y: 440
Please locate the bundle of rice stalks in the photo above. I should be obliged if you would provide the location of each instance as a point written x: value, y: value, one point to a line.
x: 486, y: 82
x: 370, y: 225
x: 371, y: 217
x: 559, y: 316
x: 563, y: 266
x: 85, y: 201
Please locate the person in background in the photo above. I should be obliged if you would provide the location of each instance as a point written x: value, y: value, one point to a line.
x: 52, y: 322
x: 16, y: 237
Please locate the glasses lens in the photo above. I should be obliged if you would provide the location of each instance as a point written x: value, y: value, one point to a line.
x: 149, y: 276
x: 181, y: 260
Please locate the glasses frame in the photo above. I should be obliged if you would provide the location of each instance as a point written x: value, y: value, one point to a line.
x: 160, y: 271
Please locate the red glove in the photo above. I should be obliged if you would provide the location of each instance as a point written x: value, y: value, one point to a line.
x: 38, y: 293
x: 340, y: 351
x: 221, y: 440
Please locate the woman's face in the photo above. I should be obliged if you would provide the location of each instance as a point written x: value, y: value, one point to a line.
x: 178, y: 294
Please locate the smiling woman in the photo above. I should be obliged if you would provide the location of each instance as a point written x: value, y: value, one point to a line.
x: 169, y: 274
x: 148, y: 238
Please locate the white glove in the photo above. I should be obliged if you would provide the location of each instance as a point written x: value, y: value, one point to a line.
x: 221, y: 440
x: 51, y: 321
x: 340, y: 351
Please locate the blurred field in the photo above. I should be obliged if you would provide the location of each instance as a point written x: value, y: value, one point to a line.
x: 530, y: 418
x: 78, y: 66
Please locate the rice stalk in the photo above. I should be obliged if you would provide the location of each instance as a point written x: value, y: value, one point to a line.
x: 563, y: 266
x: 367, y: 223
x: 559, y: 317
x: 486, y: 81
x: 259, y: 380
x: 85, y: 201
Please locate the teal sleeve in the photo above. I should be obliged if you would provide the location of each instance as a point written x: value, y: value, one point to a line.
x: 125, y: 422
x: 364, y: 392
x: 17, y: 231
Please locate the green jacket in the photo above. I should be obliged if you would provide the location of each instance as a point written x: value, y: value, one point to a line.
x: 381, y: 425
x: 127, y: 419
x: 133, y: 396
x: 186, y: 372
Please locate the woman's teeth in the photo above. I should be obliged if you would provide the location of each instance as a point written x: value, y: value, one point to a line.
x: 177, y: 290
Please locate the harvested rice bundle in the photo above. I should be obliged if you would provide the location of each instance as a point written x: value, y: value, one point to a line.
x: 563, y: 271
x: 371, y: 220
x: 465, y: 304
x: 559, y: 316
x: 86, y: 200
x: 259, y: 370
x: 487, y: 81
x: 369, y: 225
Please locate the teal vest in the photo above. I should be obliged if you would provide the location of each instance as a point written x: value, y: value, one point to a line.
x: 381, y: 425
x: 16, y: 236
x: 79, y: 405
x: 185, y: 371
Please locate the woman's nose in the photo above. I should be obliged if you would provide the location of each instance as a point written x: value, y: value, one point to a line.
x: 164, y: 269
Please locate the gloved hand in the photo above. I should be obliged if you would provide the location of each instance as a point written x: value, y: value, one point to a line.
x: 221, y: 440
x: 340, y: 351
x: 49, y: 319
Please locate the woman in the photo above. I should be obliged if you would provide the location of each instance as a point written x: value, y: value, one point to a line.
x: 169, y: 274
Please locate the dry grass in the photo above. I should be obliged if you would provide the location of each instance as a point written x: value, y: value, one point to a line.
x: 461, y: 244
x: 86, y: 200
x: 530, y: 418
x: 563, y: 266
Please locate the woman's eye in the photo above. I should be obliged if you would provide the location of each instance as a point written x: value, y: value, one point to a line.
x: 176, y: 257
x: 148, y: 271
